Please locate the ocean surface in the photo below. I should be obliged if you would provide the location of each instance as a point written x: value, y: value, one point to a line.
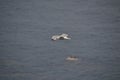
x: 28, y: 53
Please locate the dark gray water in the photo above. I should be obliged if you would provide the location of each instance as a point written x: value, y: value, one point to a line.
x: 27, y: 52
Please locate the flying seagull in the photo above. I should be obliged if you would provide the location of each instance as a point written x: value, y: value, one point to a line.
x: 60, y: 37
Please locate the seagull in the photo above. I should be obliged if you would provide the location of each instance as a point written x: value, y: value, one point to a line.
x: 60, y: 37
x: 72, y: 58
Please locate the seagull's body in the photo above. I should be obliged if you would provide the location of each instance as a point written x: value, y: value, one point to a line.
x: 72, y: 58
x: 60, y: 37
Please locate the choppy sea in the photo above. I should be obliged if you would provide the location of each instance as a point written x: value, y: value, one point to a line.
x: 26, y: 49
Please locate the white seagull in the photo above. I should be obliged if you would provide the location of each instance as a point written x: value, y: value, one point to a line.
x: 60, y: 37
